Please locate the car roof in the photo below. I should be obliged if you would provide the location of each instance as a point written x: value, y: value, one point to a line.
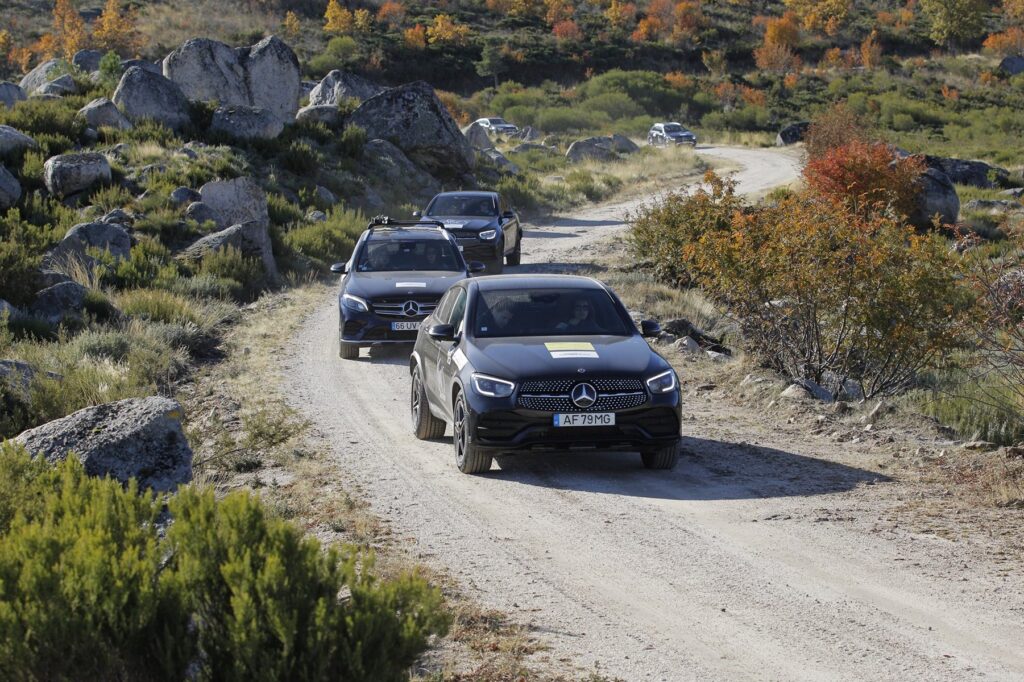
x: 520, y: 282
x: 467, y: 193
x: 383, y: 232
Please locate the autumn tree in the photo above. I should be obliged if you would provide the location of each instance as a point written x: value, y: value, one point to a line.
x: 834, y: 127
x: 871, y: 52
x: 115, y: 29
x: 415, y: 37
x: 391, y: 13
x: 1013, y: 10
x: 514, y: 8
x: 620, y: 15
x: 69, y: 32
x: 954, y: 21
x: 291, y: 27
x: 556, y: 11
x: 821, y: 14
x: 567, y: 31
x: 866, y: 176
x: 338, y: 19
x: 1009, y: 42
x: 445, y: 30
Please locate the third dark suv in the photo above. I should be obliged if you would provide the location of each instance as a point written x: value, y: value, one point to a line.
x: 485, y: 227
x: 394, y: 279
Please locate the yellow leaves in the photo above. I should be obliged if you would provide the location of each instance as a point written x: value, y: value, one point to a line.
x: 69, y: 32
x: 415, y: 37
x: 445, y: 30
x: 291, y: 26
x: 115, y: 29
x: 337, y: 19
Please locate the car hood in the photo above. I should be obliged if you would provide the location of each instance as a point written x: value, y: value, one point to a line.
x: 472, y: 223
x: 530, y: 357
x: 371, y: 285
x: 680, y: 134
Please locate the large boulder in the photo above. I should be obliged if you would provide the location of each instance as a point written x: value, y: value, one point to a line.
x: 527, y: 134
x: 993, y: 206
x: 624, y: 145
x: 65, y: 85
x: 340, y: 85
x: 152, y: 67
x: 70, y: 173
x: 87, y: 61
x: 500, y: 161
x: 477, y: 136
x: 792, y: 133
x: 140, y: 438
x: 11, y: 94
x: 390, y: 172
x: 60, y: 302
x: 109, y: 237
x: 328, y: 114
x: 102, y: 113
x: 265, y: 75
x: 251, y: 238
x: 533, y: 146
x: 966, y: 172
x: 596, y: 148
x: 273, y: 76
x: 13, y: 142
x: 242, y: 122
x: 1012, y: 65
x: 241, y: 200
x: 42, y: 74
x: 413, y: 119
x: 201, y: 213
x: 206, y: 70
x: 10, y: 189
x: 937, y: 196
x: 142, y: 94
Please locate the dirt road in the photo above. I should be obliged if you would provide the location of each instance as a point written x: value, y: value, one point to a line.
x: 767, y: 554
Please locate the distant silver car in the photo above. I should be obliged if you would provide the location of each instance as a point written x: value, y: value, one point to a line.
x: 663, y: 134
x: 498, y: 125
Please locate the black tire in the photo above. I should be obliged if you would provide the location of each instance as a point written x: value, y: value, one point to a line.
x: 425, y: 425
x: 516, y: 257
x: 468, y: 456
x: 664, y: 458
x: 347, y: 351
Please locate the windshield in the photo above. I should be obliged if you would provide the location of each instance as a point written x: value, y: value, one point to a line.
x: 461, y: 204
x: 497, y: 121
x: 408, y: 255
x: 674, y: 128
x: 547, y: 312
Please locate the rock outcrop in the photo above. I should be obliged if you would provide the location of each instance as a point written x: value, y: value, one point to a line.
x: 13, y: 142
x: 241, y: 200
x: 251, y: 238
x: 138, y: 438
x: 59, y: 303
x: 69, y: 173
x: 596, y: 148
x: 102, y: 113
x: 242, y: 122
x: 623, y: 145
x: 393, y: 172
x: 11, y: 94
x: 937, y: 196
x: 340, y: 85
x: 109, y: 237
x: 477, y: 136
x: 413, y: 119
x: 10, y: 189
x: 793, y: 133
x: 41, y: 75
x: 64, y: 85
x: 968, y: 172
x: 87, y: 61
x: 327, y: 114
x: 265, y: 75
x: 142, y: 94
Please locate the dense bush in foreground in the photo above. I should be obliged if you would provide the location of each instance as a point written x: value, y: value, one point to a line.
x: 227, y: 593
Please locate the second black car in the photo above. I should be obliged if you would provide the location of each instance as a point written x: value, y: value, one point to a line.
x: 486, y: 228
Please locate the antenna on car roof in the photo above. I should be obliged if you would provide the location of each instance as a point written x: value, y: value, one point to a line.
x: 385, y: 221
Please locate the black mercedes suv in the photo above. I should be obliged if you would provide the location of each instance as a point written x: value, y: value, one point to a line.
x: 397, y: 273
x: 486, y: 228
x: 520, y: 362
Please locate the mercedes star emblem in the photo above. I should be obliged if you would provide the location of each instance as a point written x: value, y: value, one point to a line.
x: 411, y: 308
x: 584, y: 395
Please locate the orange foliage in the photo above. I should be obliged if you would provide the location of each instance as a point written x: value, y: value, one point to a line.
x: 832, y: 59
x: 837, y: 126
x: 1014, y: 10
x: 864, y: 176
x: 567, y: 31
x: 753, y: 97
x: 451, y: 102
x: 678, y: 80
x: 884, y: 18
x: 790, y: 81
x: 391, y: 13
x: 871, y: 52
x: 988, y: 78
x: 620, y: 15
x: 950, y: 94
x: 777, y: 58
x: 784, y: 30
x: 69, y: 32
x: 1009, y: 42
x: 115, y: 30
x: 556, y: 11
x: 416, y: 37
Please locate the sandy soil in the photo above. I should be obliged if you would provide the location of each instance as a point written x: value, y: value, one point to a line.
x: 769, y: 553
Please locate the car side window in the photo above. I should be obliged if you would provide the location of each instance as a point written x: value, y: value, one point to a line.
x: 444, y: 308
x: 458, y: 311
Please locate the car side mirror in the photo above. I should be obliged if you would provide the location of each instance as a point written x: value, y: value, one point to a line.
x: 650, y: 328
x: 339, y: 268
x: 476, y: 266
x: 441, y: 332
x: 417, y: 214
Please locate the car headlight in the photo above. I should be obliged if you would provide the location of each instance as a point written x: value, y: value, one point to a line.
x: 492, y: 387
x: 662, y: 383
x: 488, y: 234
x: 355, y: 303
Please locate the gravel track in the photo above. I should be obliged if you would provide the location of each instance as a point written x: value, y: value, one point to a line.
x: 762, y: 556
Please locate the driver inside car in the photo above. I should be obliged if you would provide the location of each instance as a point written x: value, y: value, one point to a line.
x: 582, y: 317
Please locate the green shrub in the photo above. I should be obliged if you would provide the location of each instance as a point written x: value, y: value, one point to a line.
x: 329, y: 241
x: 205, y: 286
x: 156, y: 305
x: 282, y: 212
x: 566, y: 119
x: 231, y: 264
x: 228, y: 593
x: 19, y: 273
x: 300, y: 158
x: 45, y: 117
x: 616, y: 105
x: 352, y: 141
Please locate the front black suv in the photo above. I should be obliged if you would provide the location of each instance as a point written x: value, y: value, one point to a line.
x: 486, y: 228
x: 541, y: 362
x: 396, y: 275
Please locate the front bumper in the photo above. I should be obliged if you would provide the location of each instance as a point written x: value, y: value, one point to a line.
x: 367, y: 328
x: 474, y: 248
x: 504, y: 425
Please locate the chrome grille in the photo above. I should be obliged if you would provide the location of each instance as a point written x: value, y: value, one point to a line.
x: 406, y: 308
x: 553, y: 395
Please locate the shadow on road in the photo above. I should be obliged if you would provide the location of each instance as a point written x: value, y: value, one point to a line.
x: 388, y: 354
x: 554, y: 268
x: 707, y: 470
